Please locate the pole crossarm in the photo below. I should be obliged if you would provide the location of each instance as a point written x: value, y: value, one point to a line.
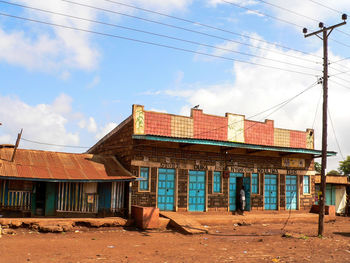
x: 325, y: 28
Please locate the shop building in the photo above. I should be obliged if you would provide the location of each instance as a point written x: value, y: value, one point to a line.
x: 200, y: 163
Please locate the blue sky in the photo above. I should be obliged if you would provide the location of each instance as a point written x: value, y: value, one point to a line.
x: 70, y: 87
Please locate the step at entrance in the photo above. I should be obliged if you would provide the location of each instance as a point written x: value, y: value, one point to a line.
x: 183, y: 223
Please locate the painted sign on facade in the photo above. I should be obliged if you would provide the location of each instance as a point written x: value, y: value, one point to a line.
x: 293, y: 162
x: 139, y: 120
x: 235, y: 128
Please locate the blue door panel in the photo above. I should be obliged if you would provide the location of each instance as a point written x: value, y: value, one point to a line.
x: 291, y: 192
x: 270, y: 193
x: 196, y: 195
x: 233, y: 190
x: 166, y: 178
x: 246, y: 183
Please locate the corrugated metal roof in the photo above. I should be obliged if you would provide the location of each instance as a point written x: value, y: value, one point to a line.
x: 231, y: 144
x: 56, y: 166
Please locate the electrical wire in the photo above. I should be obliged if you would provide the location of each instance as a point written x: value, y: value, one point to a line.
x: 51, y: 144
x: 318, y: 104
x: 263, y: 14
x: 283, y: 20
x: 186, y: 29
x: 280, y: 105
x: 330, y: 8
x: 334, y: 62
x: 207, y: 26
x: 298, y: 14
x: 345, y: 80
x: 277, y: 106
x: 339, y: 84
x: 335, y: 135
x: 157, y: 34
x: 153, y: 43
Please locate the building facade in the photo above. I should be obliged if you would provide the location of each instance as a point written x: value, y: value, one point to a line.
x: 200, y: 163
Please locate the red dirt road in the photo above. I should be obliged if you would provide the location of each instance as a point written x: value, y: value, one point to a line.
x: 252, y: 243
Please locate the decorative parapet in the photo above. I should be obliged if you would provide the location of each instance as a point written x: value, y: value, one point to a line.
x: 231, y: 127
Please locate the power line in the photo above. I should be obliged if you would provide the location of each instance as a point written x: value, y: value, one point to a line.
x: 318, y: 104
x: 186, y: 29
x: 334, y: 62
x: 335, y: 135
x: 290, y: 11
x: 330, y: 8
x: 261, y: 13
x: 277, y: 106
x: 207, y: 26
x: 283, y: 20
x: 345, y: 80
x: 51, y: 144
x: 339, y: 84
x: 153, y: 43
x: 157, y: 34
x: 280, y: 105
x: 301, y: 15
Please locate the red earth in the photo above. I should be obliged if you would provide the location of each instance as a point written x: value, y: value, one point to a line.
x: 224, y: 243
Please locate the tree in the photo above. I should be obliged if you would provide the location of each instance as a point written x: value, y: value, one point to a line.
x: 318, y: 167
x: 345, y: 166
x: 333, y: 172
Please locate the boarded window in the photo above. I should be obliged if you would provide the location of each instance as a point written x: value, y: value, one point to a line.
x: 19, y: 185
x: 217, y: 182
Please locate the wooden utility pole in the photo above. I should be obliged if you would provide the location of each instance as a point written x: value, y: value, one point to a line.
x: 16, y: 146
x: 326, y: 31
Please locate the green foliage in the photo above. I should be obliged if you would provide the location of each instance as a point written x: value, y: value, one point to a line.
x: 318, y: 167
x: 333, y: 172
x: 345, y: 166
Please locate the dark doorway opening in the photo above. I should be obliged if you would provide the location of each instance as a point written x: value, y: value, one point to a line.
x: 40, y: 198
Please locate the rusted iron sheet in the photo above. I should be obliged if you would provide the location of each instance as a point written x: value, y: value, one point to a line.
x: 33, y: 164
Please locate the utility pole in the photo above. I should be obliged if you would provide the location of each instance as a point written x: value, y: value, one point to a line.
x: 326, y: 31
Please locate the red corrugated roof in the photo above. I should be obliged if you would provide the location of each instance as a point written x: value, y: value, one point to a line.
x: 44, y: 165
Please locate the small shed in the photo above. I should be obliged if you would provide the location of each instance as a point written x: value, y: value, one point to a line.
x: 335, y: 191
x: 43, y: 183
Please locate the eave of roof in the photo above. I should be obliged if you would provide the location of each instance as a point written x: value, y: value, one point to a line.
x: 316, y: 153
x: 35, y: 165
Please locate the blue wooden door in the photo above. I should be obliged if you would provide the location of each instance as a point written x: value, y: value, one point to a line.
x: 196, y: 198
x: 166, y: 189
x: 270, y: 192
x: 50, y: 199
x: 246, y: 183
x: 104, y: 196
x: 291, y: 192
x: 233, y: 190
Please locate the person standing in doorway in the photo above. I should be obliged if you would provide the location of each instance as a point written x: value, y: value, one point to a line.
x: 242, y: 200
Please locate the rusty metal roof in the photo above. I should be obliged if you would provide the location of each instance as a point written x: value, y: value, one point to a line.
x: 56, y: 166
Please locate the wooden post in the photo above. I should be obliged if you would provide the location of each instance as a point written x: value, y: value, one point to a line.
x: 16, y: 146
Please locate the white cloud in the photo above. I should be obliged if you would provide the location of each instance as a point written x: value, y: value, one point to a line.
x: 105, y: 129
x: 95, y: 81
x: 56, y: 49
x: 62, y: 104
x: 257, y: 88
x: 225, y: 48
x: 42, y: 122
x: 92, y: 126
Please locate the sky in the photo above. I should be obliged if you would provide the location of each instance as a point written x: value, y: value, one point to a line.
x: 70, y: 70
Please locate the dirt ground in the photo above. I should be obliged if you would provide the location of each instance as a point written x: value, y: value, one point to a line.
x: 225, y: 243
